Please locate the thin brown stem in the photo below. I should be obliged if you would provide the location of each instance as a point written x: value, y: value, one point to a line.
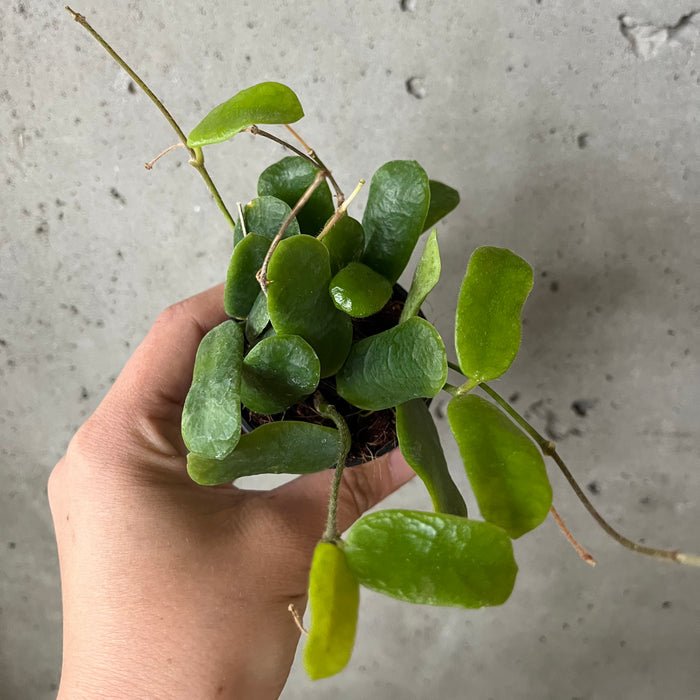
x: 151, y: 163
x: 586, y: 556
x: 306, y: 146
x: 257, y: 131
x: 340, y: 211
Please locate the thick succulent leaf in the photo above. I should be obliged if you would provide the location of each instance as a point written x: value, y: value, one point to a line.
x: 432, y: 558
x: 265, y: 103
x: 505, y: 469
x: 277, y: 373
x: 299, y: 303
x: 242, y: 288
x: 403, y: 363
x: 211, y: 416
x: 443, y: 199
x: 398, y: 201
x: 287, y: 180
x: 345, y: 242
x: 425, y: 278
x: 289, y: 447
x: 487, y: 327
x: 359, y: 290
x: 265, y: 216
x: 420, y: 445
x: 334, y: 598
x: 258, y: 318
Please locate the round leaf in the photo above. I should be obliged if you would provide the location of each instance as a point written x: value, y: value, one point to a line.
x: 265, y: 103
x: 345, y: 242
x: 265, y: 216
x: 403, y: 363
x: 425, y: 278
x: 299, y: 303
x: 277, y: 373
x: 242, y: 288
x: 289, y: 447
x: 359, y: 291
x: 443, y: 199
x: 432, y: 558
x: 505, y: 469
x: 487, y: 327
x: 211, y: 415
x: 334, y: 597
x: 287, y: 180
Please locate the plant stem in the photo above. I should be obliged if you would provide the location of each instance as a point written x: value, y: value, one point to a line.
x: 450, y: 389
x: 196, y: 158
x: 261, y: 275
x: 340, y: 211
x: 586, y: 556
x: 325, y: 409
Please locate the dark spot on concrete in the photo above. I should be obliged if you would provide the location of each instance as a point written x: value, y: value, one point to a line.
x: 407, y: 5
x: 247, y: 58
x: 116, y: 194
x: 544, y: 273
x: 60, y: 203
x: 21, y: 9
x: 3, y: 343
x: 415, y: 87
x: 509, y: 69
x: 666, y: 604
x: 581, y: 406
x: 582, y: 140
x: 645, y: 500
x: 84, y: 394
x: 42, y: 229
x: 12, y: 545
x: 594, y: 488
x: 670, y: 331
x: 623, y: 643
x: 131, y: 87
x: 100, y: 323
x: 73, y: 309
x: 565, y: 626
x: 513, y: 397
x: 250, y: 25
x: 53, y: 686
x: 609, y: 377
x: 120, y: 255
x: 543, y: 639
x: 554, y: 286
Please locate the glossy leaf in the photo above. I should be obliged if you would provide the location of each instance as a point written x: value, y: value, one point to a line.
x: 287, y: 180
x: 334, y: 598
x: 265, y: 216
x: 420, y: 445
x: 258, y: 318
x: 403, y: 363
x: 443, y: 199
x: 397, y: 203
x: 505, y: 469
x: 211, y: 416
x: 359, y: 291
x: 277, y: 373
x: 299, y: 303
x: 425, y: 278
x: 487, y: 327
x: 345, y: 242
x: 432, y: 558
x: 265, y: 103
x: 242, y: 288
x: 288, y: 447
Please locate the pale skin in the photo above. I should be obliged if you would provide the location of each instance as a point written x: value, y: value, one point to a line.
x: 170, y: 589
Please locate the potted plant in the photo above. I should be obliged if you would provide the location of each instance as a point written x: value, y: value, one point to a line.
x: 324, y: 360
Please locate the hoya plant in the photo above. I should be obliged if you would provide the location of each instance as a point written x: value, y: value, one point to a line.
x: 324, y: 362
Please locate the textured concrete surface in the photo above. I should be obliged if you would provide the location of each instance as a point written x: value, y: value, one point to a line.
x: 572, y: 137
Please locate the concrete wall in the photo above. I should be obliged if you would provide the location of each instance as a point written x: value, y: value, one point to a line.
x: 572, y: 138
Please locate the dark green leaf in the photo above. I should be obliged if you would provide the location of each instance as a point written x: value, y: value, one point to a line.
x: 334, y: 598
x: 242, y: 288
x: 432, y: 558
x: 398, y: 201
x: 265, y: 216
x: 287, y: 180
x: 345, y: 242
x: 487, y: 328
x: 258, y: 318
x: 504, y: 467
x: 395, y: 366
x: 211, y: 416
x: 420, y: 445
x: 359, y: 291
x: 265, y: 103
x: 443, y: 199
x: 425, y: 278
x: 277, y: 373
x: 289, y: 447
x: 299, y: 303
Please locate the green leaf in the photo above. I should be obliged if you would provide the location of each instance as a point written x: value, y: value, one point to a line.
x: 403, y: 363
x: 398, y: 201
x: 265, y: 216
x: 420, y: 445
x: 299, y: 303
x: 432, y: 558
x: 345, y: 242
x: 242, y: 288
x: 334, y: 597
x: 359, y: 291
x: 265, y: 103
x: 289, y: 447
x: 443, y: 199
x: 487, y: 327
x: 504, y: 467
x: 287, y: 180
x: 211, y: 415
x: 277, y: 373
x: 425, y: 278
x: 258, y: 318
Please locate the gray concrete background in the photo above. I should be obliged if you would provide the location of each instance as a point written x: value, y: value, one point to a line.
x: 566, y: 146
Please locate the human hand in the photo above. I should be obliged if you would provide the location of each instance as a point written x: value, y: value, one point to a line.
x: 171, y: 589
